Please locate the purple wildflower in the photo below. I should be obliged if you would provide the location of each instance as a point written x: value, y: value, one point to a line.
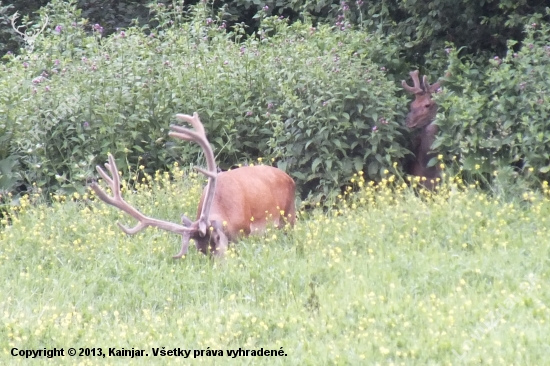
x: 344, y: 5
x: 97, y: 28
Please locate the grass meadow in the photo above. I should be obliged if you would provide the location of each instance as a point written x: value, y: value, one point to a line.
x: 386, y: 277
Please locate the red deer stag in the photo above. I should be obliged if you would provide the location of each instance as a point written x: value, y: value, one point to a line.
x: 421, y: 115
x: 233, y: 203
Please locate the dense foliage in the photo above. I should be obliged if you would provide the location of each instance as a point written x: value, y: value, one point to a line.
x: 498, y: 116
x: 482, y: 27
x: 318, y: 100
x: 386, y: 277
x: 110, y: 14
x: 310, y: 99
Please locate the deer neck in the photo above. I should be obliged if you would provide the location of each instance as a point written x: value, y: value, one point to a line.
x: 427, y: 137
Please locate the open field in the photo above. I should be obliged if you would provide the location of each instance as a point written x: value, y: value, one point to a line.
x: 386, y: 278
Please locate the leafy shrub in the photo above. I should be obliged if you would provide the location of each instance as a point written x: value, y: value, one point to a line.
x: 309, y: 98
x: 501, y: 117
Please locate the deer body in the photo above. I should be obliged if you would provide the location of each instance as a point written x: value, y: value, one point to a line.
x: 421, y: 115
x: 233, y: 203
x: 422, y: 151
x: 246, y: 200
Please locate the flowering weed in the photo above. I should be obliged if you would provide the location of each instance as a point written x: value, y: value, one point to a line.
x: 386, y: 277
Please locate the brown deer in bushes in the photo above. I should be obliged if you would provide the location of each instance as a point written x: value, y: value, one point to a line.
x: 233, y: 203
x: 421, y: 115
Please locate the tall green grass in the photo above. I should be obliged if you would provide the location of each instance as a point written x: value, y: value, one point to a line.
x: 387, y: 277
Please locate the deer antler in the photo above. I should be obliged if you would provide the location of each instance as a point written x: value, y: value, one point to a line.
x: 199, y: 137
x: 430, y: 88
x: 117, y: 201
x: 28, y: 36
x: 189, y: 228
x: 417, y: 88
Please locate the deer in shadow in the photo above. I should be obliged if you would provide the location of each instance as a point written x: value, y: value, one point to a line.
x: 421, y: 116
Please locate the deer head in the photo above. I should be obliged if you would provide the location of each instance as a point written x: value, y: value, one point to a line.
x: 233, y: 203
x: 423, y: 108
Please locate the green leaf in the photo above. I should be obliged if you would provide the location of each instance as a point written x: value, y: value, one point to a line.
x: 373, y: 169
x: 358, y: 164
x: 316, y: 163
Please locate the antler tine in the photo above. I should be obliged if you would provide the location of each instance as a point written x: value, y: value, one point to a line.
x: 194, y: 121
x: 14, y: 17
x: 199, y: 136
x: 45, y: 24
x: 114, y: 182
x: 416, y: 88
x: 184, y: 246
x: 206, y: 172
x: 431, y: 88
x: 117, y: 201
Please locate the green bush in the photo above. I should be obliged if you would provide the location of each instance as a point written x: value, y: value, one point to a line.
x: 500, y: 116
x: 309, y: 98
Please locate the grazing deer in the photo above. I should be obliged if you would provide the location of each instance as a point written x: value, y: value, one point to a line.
x: 421, y: 115
x: 233, y: 203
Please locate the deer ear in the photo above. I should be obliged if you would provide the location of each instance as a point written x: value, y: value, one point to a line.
x: 203, y: 226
